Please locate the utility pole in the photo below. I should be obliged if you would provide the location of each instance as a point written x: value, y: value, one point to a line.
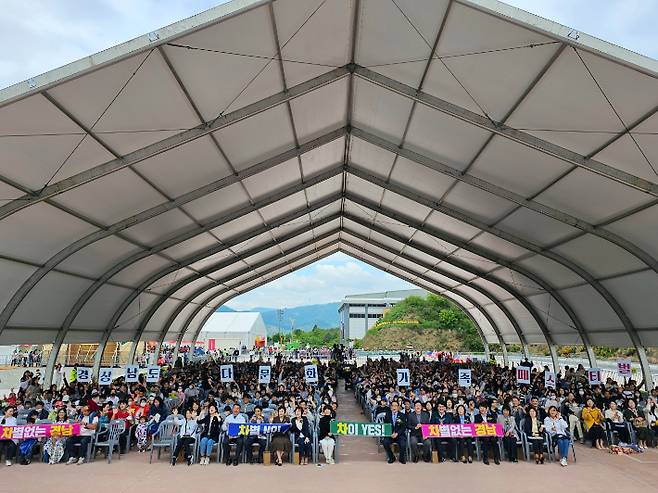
x: 279, y: 314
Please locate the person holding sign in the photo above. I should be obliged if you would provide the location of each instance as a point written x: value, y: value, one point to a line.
x: 464, y: 446
x: 488, y: 443
x: 398, y: 422
x: 260, y: 440
x: 280, y: 443
x: 234, y: 417
x: 415, y: 419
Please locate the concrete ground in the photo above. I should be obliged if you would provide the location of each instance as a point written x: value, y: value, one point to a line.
x: 361, y: 468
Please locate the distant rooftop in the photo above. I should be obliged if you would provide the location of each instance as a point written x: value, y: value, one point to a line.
x: 399, y: 294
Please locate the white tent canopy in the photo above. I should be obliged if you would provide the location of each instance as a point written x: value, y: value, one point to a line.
x: 479, y: 151
x: 233, y: 329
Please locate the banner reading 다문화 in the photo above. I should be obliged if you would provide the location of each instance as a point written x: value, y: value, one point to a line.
x: 254, y: 429
x: 347, y: 428
x: 22, y: 432
x: 474, y: 430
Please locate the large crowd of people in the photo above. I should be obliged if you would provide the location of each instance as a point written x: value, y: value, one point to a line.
x: 541, y: 418
x: 193, y: 405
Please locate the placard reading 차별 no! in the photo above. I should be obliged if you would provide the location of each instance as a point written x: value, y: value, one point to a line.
x: 347, y: 428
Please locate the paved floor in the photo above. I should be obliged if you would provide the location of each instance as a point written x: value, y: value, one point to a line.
x: 361, y: 468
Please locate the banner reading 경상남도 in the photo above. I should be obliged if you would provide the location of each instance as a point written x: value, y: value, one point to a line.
x: 347, y: 428
x: 469, y: 430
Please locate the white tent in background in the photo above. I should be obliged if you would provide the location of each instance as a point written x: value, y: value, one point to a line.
x: 225, y: 330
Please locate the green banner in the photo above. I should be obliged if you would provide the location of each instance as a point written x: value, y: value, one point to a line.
x: 347, y: 428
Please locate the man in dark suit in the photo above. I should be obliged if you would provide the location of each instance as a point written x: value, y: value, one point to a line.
x: 416, y: 418
x: 445, y: 446
x: 398, y: 422
x: 488, y: 443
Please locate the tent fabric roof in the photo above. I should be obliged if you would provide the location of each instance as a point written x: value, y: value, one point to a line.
x: 238, y: 322
x: 474, y: 149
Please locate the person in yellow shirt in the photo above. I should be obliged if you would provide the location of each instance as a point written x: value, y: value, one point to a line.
x: 593, y: 420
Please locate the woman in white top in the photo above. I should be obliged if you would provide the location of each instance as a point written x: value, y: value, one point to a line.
x: 8, y: 447
x: 558, y: 428
x: 187, y: 427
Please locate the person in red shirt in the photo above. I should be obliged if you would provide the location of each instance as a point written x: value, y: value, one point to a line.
x: 123, y: 412
x: 93, y: 403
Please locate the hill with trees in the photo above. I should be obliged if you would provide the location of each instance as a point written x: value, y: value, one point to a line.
x: 430, y: 323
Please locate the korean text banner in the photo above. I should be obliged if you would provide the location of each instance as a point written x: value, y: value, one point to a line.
x: 253, y: 429
x: 346, y: 428
x: 23, y: 432
x: 469, y: 430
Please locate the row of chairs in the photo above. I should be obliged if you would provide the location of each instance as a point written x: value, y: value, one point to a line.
x: 167, y: 434
x: 549, y: 445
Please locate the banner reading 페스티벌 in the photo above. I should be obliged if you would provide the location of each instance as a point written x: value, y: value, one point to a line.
x: 23, y: 432
x: 347, y: 428
x: 468, y: 430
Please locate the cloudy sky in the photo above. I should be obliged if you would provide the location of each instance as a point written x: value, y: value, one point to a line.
x: 39, y: 35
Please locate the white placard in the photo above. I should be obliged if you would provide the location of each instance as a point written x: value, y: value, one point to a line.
x: 105, y: 376
x: 311, y: 373
x: 550, y: 380
x: 83, y: 374
x: 403, y: 377
x: 522, y: 374
x: 264, y: 374
x: 226, y: 373
x: 464, y: 377
x: 624, y: 367
x: 152, y: 374
x: 132, y: 374
x: 594, y: 376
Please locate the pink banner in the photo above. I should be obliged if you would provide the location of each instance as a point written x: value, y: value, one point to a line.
x: 24, y: 432
x: 476, y: 430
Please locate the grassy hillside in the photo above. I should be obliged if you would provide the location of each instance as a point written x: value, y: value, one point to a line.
x: 431, y: 323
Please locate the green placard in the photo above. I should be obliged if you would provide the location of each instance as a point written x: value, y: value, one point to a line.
x: 349, y: 428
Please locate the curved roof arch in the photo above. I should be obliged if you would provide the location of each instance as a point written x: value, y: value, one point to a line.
x: 510, y: 166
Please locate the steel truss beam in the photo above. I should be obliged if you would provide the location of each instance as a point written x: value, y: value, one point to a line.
x: 485, y: 253
x: 432, y: 289
x: 230, y: 261
x: 457, y: 263
x: 507, y: 131
x: 191, y: 317
x: 202, y: 289
x: 420, y: 275
x: 263, y: 263
x: 589, y: 278
x: 501, y: 192
x: 152, y: 212
x: 216, y: 222
x: 172, y: 142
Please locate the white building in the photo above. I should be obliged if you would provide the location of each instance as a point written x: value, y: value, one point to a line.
x: 225, y: 330
x: 359, y: 312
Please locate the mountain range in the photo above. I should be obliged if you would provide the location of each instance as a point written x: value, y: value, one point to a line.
x: 303, y: 317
